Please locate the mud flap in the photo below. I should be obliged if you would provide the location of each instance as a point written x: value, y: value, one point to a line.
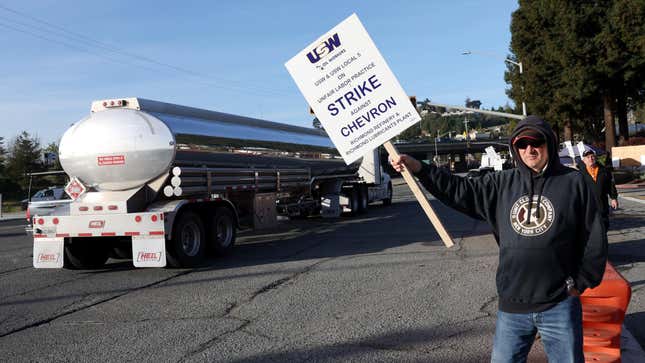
x: 330, y: 206
x: 149, y: 251
x: 48, y: 252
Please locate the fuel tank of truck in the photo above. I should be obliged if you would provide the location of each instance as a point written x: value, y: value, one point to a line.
x: 125, y: 143
x: 117, y: 149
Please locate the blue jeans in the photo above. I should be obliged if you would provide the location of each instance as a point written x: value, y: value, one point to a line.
x: 560, y: 328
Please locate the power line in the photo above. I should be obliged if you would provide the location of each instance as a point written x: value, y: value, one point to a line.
x: 116, y: 61
x: 87, y: 41
x: 72, y: 46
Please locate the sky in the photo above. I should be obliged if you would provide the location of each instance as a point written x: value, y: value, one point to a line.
x: 228, y: 56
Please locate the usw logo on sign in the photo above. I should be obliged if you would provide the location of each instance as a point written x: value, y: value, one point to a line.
x: 324, y: 48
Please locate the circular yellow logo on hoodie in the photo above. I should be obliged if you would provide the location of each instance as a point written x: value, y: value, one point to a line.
x: 535, y: 221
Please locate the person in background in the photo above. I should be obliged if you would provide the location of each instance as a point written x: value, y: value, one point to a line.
x: 552, y: 243
x: 602, y: 184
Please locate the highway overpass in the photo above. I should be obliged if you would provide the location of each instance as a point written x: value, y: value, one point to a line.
x: 453, y: 153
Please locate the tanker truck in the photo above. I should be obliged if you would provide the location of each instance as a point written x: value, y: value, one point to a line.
x: 166, y: 184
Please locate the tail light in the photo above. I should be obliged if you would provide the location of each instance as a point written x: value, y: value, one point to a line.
x: 115, y: 103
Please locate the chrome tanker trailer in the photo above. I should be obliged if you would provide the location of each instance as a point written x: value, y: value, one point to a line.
x: 161, y: 183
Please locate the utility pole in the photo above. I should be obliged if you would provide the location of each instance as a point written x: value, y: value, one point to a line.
x: 507, y: 60
x: 435, y: 143
x: 466, y: 124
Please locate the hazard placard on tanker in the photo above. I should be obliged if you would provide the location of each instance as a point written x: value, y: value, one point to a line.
x: 351, y: 89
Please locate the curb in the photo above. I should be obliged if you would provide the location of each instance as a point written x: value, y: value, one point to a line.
x: 630, y: 186
x: 637, y: 200
x: 12, y: 216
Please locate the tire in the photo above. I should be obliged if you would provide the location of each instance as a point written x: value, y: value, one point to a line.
x: 187, y: 248
x: 81, y: 255
x: 354, y: 197
x: 222, y: 232
x: 388, y: 200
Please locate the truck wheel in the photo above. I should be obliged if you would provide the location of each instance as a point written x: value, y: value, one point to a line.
x: 222, y: 231
x: 187, y: 248
x: 85, y: 254
x: 354, y: 197
x: 388, y: 200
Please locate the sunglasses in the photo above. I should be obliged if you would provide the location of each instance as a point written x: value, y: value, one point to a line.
x: 524, y: 143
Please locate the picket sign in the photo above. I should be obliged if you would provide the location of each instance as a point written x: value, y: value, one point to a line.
x: 421, y: 197
x: 357, y: 98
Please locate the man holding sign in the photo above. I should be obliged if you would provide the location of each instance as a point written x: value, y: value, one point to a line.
x: 551, y: 240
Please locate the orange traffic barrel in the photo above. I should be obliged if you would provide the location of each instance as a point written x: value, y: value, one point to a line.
x: 600, y: 313
x: 613, y: 290
x: 603, y: 311
x: 597, y: 337
x: 598, y: 357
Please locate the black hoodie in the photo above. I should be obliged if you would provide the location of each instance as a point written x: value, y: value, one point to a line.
x: 546, y: 224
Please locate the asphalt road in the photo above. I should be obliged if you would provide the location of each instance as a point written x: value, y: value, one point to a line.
x: 376, y: 287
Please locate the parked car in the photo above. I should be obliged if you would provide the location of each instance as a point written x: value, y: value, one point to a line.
x: 44, y: 201
x: 51, y: 193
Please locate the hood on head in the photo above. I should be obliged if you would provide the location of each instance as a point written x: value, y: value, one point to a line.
x: 536, y: 124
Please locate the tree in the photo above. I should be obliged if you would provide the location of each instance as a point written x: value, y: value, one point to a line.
x: 473, y: 103
x: 5, y: 185
x: 546, y: 37
x: 3, y: 156
x: 317, y: 124
x: 411, y: 133
x: 625, y: 63
x: 24, y: 157
x: 578, y: 55
x: 52, y: 149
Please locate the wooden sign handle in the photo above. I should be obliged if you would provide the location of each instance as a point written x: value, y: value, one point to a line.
x: 418, y: 193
